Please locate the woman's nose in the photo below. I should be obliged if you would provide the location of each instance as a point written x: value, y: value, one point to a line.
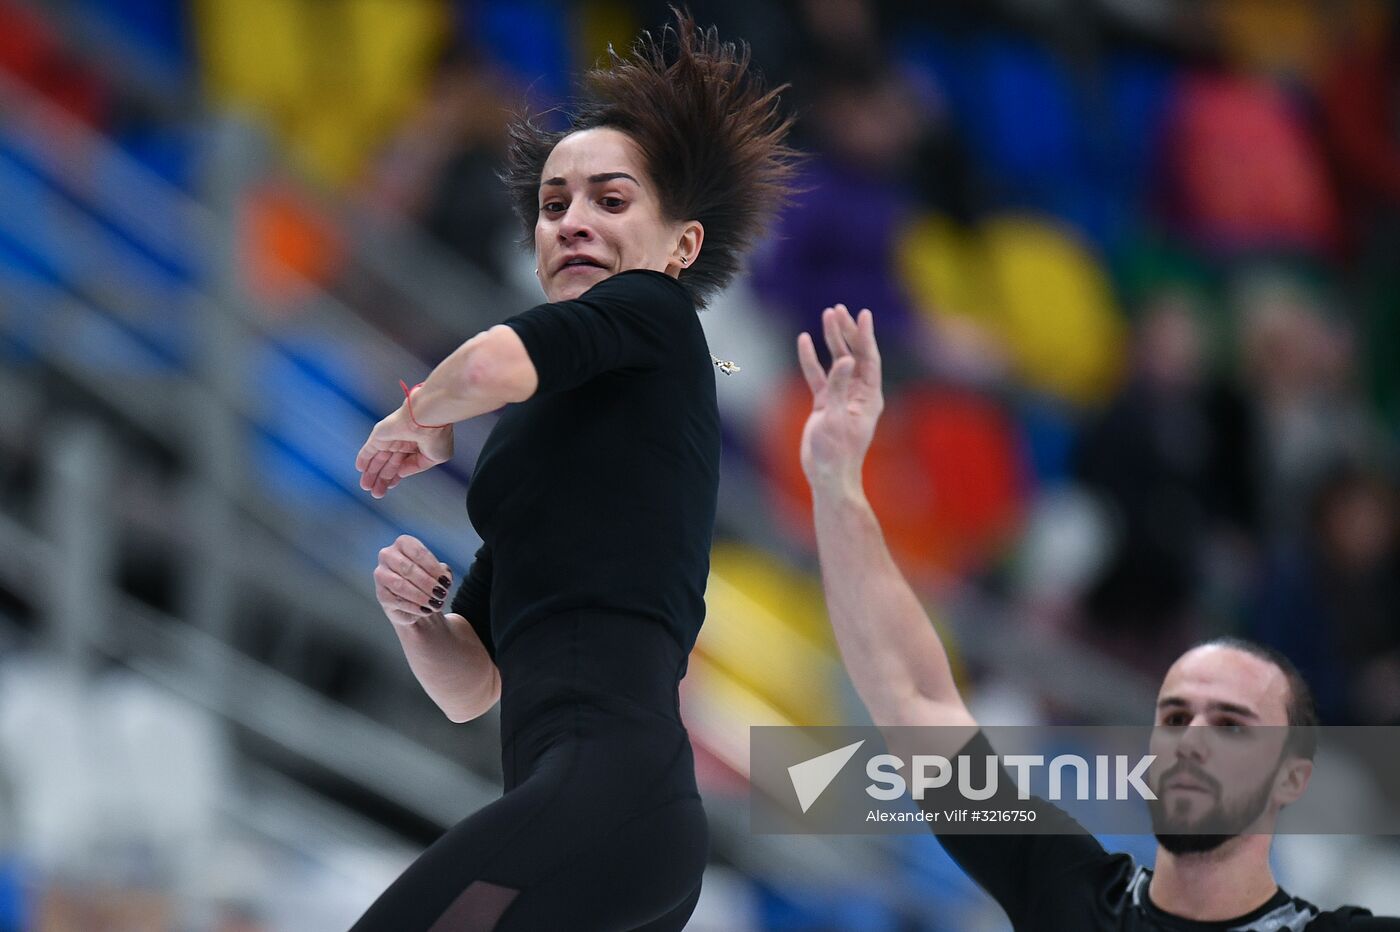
x: 572, y: 226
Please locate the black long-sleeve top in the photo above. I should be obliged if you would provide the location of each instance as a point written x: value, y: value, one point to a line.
x: 598, y: 492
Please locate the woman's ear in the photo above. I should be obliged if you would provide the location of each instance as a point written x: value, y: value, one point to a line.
x: 688, y: 246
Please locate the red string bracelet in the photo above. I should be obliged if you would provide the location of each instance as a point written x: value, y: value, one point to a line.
x: 408, y: 402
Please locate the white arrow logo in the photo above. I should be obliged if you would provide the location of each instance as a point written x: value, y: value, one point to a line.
x: 811, y: 777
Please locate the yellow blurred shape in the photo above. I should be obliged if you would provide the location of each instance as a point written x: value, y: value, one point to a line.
x: 1273, y: 36
x: 600, y: 23
x: 944, y: 266
x: 1028, y: 284
x: 332, y: 77
x: 1058, y: 314
x: 762, y: 629
x: 719, y: 710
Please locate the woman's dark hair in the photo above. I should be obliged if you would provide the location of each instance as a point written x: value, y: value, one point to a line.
x: 712, y: 138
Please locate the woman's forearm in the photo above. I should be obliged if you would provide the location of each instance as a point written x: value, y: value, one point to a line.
x: 451, y: 664
x: 490, y: 370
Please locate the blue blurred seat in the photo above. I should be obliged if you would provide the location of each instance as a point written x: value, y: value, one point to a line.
x: 12, y: 912
x: 529, y: 37
x: 157, y: 28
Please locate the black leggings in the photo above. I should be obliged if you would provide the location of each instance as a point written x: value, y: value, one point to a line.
x: 601, y: 827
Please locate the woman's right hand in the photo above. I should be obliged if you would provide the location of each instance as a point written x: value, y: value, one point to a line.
x: 410, y: 583
x: 397, y: 448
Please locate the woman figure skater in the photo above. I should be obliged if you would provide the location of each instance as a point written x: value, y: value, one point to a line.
x: 595, y: 498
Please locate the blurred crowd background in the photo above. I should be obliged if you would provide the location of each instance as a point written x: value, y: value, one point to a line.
x: 1135, y: 271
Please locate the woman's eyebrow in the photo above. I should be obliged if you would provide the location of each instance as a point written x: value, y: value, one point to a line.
x: 592, y: 179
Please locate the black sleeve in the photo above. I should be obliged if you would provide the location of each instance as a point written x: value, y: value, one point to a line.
x: 473, y: 598
x: 629, y: 320
x: 1020, y: 870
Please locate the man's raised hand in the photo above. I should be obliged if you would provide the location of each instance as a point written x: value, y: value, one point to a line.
x: 846, y: 401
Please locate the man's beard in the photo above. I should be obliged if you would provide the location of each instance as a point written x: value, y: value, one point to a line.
x: 1211, y: 830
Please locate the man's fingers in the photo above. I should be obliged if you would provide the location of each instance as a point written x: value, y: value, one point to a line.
x: 831, y: 328
x: 865, y: 324
x: 807, y: 359
x: 838, y: 383
x: 849, y: 330
x: 868, y: 350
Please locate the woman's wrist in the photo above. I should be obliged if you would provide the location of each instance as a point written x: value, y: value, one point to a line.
x: 407, y: 408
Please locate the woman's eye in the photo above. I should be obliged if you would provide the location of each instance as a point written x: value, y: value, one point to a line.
x: 612, y: 202
x: 549, y: 208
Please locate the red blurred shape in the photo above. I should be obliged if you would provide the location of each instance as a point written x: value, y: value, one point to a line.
x: 1245, y: 172
x: 31, y: 50
x: 942, y: 475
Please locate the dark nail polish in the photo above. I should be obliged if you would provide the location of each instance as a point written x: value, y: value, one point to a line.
x: 440, y: 592
x: 425, y: 610
x: 444, y: 580
x: 435, y: 603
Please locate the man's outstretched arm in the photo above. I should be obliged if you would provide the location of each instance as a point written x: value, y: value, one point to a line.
x: 889, y: 646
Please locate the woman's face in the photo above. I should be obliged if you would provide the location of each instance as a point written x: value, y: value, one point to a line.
x: 600, y: 214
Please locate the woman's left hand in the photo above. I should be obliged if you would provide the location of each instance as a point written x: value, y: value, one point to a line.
x: 397, y: 449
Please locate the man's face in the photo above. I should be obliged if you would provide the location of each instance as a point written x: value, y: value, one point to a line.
x: 1219, y: 739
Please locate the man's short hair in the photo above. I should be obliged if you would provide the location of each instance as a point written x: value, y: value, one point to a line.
x: 1300, y: 705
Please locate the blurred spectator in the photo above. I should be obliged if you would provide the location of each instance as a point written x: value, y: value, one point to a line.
x: 838, y: 244
x: 1332, y: 602
x: 1299, y: 365
x: 440, y: 168
x: 1360, y: 102
x: 1358, y: 96
x: 1171, y: 457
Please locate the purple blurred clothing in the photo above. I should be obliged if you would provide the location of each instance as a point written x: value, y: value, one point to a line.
x: 837, y: 244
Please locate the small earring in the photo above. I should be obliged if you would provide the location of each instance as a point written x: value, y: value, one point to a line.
x: 685, y: 261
